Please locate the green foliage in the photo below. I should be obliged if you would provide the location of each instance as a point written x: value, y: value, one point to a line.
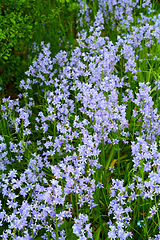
x: 23, y: 22
x: 17, y: 22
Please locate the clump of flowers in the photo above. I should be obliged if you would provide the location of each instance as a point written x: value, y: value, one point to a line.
x: 82, y: 139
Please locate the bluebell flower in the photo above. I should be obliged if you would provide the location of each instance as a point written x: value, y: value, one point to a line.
x: 139, y: 223
x: 154, y: 18
x: 150, y: 11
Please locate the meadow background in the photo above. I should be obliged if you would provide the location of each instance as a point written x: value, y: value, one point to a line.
x: 79, y: 119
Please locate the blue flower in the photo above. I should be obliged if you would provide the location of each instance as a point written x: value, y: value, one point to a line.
x: 139, y: 223
x: 151, y: 11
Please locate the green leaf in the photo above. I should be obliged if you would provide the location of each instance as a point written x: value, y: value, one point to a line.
x: 12, y: 35
x: 112, y: 153
x: 73, y: 6
x: 97, y: 233
x: 5, y: 57
x: 30, y: 36
x: 13, y: 21
x: 48, y: 172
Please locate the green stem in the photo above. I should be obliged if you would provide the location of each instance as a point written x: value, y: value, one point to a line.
x: 56, y: 222
x: 76, y: 195
x: 118, y: 161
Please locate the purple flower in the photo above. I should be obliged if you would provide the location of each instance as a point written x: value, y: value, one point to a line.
x: 81, y: 228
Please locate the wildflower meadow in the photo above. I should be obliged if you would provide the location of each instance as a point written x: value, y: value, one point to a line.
x: 79, y: 145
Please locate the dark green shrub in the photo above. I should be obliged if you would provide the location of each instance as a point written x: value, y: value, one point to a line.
x: 23, y: 22
x: 17, y: 19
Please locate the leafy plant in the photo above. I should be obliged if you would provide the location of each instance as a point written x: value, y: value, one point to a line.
x: 23, y: 23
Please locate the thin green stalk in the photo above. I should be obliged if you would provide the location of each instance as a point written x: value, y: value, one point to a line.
x: 157, y: 210
x: 103, y: 153
x: 141, y: 4
x: 56, y: 222
x: 76, y: 196
x: 119, y: 172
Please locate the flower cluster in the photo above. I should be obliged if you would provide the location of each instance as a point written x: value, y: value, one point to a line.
x: 68, y: 131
